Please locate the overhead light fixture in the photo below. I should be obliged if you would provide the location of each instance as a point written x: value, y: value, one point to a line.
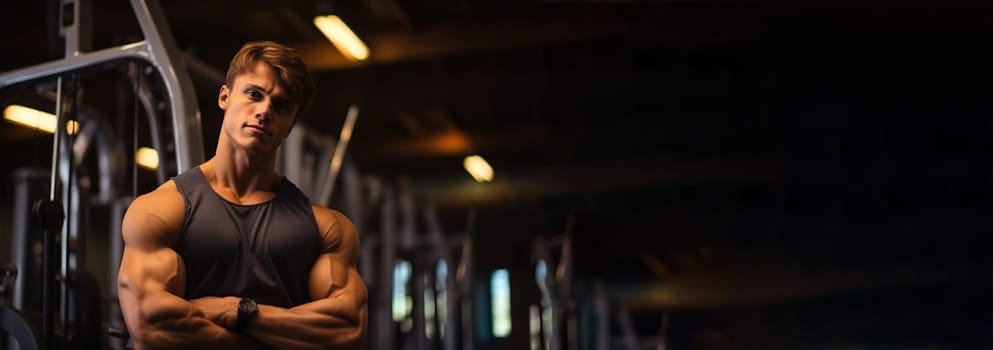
x: 147, y: 158
x: 478, y: 168
x: 342, y: 37
x: 35, y: 119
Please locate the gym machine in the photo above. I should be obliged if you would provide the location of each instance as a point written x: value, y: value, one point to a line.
x: 555, y: 314
x: 437, y: 313
x: 158, y: 72
x: 397, y: 229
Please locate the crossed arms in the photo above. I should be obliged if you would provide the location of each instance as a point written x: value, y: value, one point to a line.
x: 152, y: 280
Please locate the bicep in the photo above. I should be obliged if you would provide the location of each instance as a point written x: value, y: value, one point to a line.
x: 147, y: 255
x: 335, y: 268
x: 152, y: 276
x: 330, y: 276
x: 149, y: 230
x: 143, y: 270
x: 337, y: 289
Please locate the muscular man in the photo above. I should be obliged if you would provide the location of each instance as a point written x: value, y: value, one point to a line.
x: 230, y: 255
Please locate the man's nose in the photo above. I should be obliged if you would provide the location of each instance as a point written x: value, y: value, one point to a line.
x: 264, y: 110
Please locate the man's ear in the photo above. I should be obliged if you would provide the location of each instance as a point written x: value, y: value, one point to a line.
x: 222, y: 97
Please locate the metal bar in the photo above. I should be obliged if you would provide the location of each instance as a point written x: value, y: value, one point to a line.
x: 203, y: 69
x: 144, y: 93
x: 354, y: 201
x: 44, y: 70
x: 463, y: 284
x: 387, y: 258
x: 68, y: 194
x: 59, y: 129
x: 339, y: 154
x: 566, y: 313
x: 408, y: 216
x: 48, y: 241
x: 629, y: 336
x: 182, y: 96
x: 110, y: 155
x: 601, y: 310
x: 436, y: 235
x: 664, y: 332
x: 417, y: 274
x: 70, y: 33
x: 290, y: 159
x: 545, y: 282
x: 78, y: 33
x: 28, y: 185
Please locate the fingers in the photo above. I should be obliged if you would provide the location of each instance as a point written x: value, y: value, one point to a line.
x: 220, y: 311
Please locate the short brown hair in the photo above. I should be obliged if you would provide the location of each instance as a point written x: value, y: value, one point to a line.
x: 291, y: 73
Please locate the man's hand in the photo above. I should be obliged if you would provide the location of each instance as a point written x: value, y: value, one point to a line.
x: 221, y: 311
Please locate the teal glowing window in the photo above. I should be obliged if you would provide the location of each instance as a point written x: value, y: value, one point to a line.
x: 402, y: 302
x: 500, y: 302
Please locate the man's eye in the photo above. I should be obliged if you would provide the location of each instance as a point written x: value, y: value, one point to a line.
x: 255, y: 95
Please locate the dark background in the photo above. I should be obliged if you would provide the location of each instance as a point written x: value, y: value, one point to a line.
x: 776, y: 174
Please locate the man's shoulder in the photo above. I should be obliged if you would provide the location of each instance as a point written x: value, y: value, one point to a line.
x: 166, y: 192
x: 164, y: 202
x: 155, y: 216
x: 322, y: 213
x: 335, y: 228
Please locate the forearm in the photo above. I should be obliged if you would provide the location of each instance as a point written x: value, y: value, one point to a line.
x: 192, y: 334
x: 321, y: 324
x: 169, y: 322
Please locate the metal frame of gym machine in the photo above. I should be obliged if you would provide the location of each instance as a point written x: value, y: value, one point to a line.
x: 158, y: 51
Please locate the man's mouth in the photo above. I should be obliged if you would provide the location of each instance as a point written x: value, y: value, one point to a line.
x: 258, y: 128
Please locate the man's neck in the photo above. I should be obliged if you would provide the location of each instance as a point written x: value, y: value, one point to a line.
x: 241, y: 173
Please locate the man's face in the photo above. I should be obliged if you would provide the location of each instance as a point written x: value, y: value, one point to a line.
x: 257, y: 113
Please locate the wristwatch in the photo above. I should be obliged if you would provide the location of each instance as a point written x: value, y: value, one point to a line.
x: 247, y: 310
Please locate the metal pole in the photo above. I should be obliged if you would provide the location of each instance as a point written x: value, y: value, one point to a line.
x: 628, y: 334
x: 48, y: 282
x: 384, y: 321
x: 463, y: 283
x: 183, y: 102
x: 417, y: 274
x: 69, y: 192
x: 327, y: 188
x: 664, y: 332
x: 601, y: 307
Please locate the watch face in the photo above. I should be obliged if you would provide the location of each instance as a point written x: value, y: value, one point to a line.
x: 247, y: 305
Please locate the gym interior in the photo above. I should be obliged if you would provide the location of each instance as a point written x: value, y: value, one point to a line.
x: 539, y: 174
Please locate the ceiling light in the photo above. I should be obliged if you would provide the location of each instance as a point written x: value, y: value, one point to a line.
x: 478, y: 168
x: 342, y: 37
x: 147, y: 158
x: 35, y: 119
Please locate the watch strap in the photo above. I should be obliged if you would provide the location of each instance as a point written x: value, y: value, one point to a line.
x: 247, y: 309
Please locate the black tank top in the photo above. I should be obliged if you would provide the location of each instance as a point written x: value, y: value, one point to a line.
x: 263, y: 251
